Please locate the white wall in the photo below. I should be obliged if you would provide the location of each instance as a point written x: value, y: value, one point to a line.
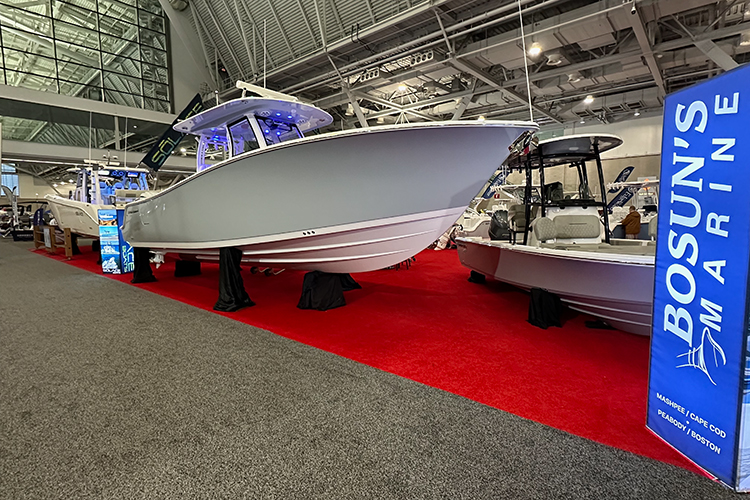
x: 641, y: 136
x: 33, y: 187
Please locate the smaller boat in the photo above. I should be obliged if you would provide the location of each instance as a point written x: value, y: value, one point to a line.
x: 566, y: 249
x: 97, y: 188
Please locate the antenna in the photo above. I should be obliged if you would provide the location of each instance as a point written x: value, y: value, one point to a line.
x: 264, y: 53
x: 525, y: 62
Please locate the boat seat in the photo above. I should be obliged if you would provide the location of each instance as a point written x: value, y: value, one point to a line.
x: 652, y: 227
x: 576, y: 226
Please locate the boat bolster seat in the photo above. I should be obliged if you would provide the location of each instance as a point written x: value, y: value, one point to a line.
x: 567, y: 230
x: 544, y: 229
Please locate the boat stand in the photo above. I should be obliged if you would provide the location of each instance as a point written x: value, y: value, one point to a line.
x: 323, y: 291
x: 232, y: 293
x: 141, y: 266
x: 185, y: 268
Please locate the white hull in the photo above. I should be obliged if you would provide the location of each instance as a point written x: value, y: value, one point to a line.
x: 80, y: 217
x: 363, y: 199
x: 614, y: 287
x: 342, y: 249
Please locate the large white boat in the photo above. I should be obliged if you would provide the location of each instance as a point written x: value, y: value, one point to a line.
x: 343, y: 202
x: 566, y: 249
x: 96, y: 188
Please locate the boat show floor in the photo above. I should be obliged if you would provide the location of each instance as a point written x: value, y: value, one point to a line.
x: 191, y: 386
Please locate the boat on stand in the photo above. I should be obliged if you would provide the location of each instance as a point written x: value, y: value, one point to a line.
x: 99, y: 186
x: 561, y: 242
x: 339, y: 202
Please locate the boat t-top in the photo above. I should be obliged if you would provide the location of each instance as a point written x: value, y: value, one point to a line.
x: 341, y: 202
x: 559, y: 240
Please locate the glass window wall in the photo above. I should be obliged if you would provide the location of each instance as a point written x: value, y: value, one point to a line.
x: 109, y: 50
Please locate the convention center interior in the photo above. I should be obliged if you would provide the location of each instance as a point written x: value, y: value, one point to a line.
x: 385, y: 249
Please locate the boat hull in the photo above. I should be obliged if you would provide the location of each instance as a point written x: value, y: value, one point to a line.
x: 617, y: 289
x: 80, y: 217
x: 344, y: 202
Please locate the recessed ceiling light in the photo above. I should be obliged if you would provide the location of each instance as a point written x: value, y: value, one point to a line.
x: 589, y: 99
x: 582, y: 121
x: 481, y: 118
x: 535, y: 49
x: 637, y: 113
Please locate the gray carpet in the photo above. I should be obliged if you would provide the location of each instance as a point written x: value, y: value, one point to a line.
x: 162, y: 400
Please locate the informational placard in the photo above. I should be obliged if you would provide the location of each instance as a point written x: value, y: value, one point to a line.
x: 699, y: 344
x: 117, y: 254
x: 109, y: 241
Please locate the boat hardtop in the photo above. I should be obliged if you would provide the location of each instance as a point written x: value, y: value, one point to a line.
x: 567, y: 149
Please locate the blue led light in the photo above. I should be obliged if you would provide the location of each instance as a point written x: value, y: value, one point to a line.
x: 268, y: 131
x: 278, y: 114
x: 278, y: 133
x: 290, y: 117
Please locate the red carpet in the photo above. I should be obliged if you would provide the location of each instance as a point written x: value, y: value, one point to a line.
x: 431, y: 325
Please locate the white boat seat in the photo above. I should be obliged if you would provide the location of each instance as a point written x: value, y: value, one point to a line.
x: 576, y: 226
x: 652, y: 227
x: 544, y: 229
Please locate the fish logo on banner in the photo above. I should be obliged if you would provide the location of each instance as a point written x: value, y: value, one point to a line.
x: 696, y: 397
x: 158, y: 154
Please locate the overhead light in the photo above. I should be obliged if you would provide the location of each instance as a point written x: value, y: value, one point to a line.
x: 401, y: 87
x: 554, y: 59
x: 481, y: 118
x: 535, y: 49
x: 745, y: 39
x: 582, y: 121
x: 54, y: 185
x: 589, y: 99
x: 637, y: 113
x: 574, y: 77
x: 183, y: 150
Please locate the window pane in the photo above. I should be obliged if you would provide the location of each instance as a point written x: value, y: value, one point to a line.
x: 243, y: 138
x: 77, y: 55
x: 127, y: 48
x: 157, y: 90
x: 154, y: 56
x: 123, y: 99
x: 29, y: 63
x: 151, y: 6
x: 118, y: 27
x: 25, y: 20
x: 77, y: 35
x: 27, y: 42
x: 157, y: 105
x: 19, y: 79
x: 118, y: 10
x: 82, y: 89
x: 37, y: 8
x: 155, y: 73
x: 75, y: 71
x: 153, y: 39
x: 75, y: 15
x: 119, y: 64
x: 151, y: 21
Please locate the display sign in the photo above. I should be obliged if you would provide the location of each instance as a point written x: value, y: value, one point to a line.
x: 698, y: 348
x: 158, y: 154
x: 621, y: 177
x: 117, y: 254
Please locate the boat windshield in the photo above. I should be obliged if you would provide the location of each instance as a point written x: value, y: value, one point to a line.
x: 242, y: 137
x: 276, y: 131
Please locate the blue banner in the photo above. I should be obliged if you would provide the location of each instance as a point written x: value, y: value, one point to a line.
x: 700, y: 292
x: 498, y: 181
x: 117, y: 254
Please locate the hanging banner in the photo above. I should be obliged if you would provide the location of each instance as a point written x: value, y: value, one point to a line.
x: 621, y: 177
x: 698, y: 349
x: 159, y: 153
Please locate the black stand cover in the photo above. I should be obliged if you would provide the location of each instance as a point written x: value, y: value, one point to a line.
x: 74, y: 244
x: 96, y: 247
x: 545, y: 308
x: 323, y: 291
x: 141, y: 266
x: 184, y: 268
x: 476, y: 277
x: 232, y: 294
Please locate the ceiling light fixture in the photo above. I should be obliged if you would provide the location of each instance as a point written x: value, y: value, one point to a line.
x: 574, y: 77
x: 582, y: 121
x: 481, y: 118
x: 589, y: 99
x: 637, y: 113
x: 535, y: 49
x: 183, y: 150
x: 745, y: 39
x: 554, y: 60
x: 401, y: 87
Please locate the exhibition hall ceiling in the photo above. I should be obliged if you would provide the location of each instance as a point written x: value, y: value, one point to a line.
x: 441, y: 59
